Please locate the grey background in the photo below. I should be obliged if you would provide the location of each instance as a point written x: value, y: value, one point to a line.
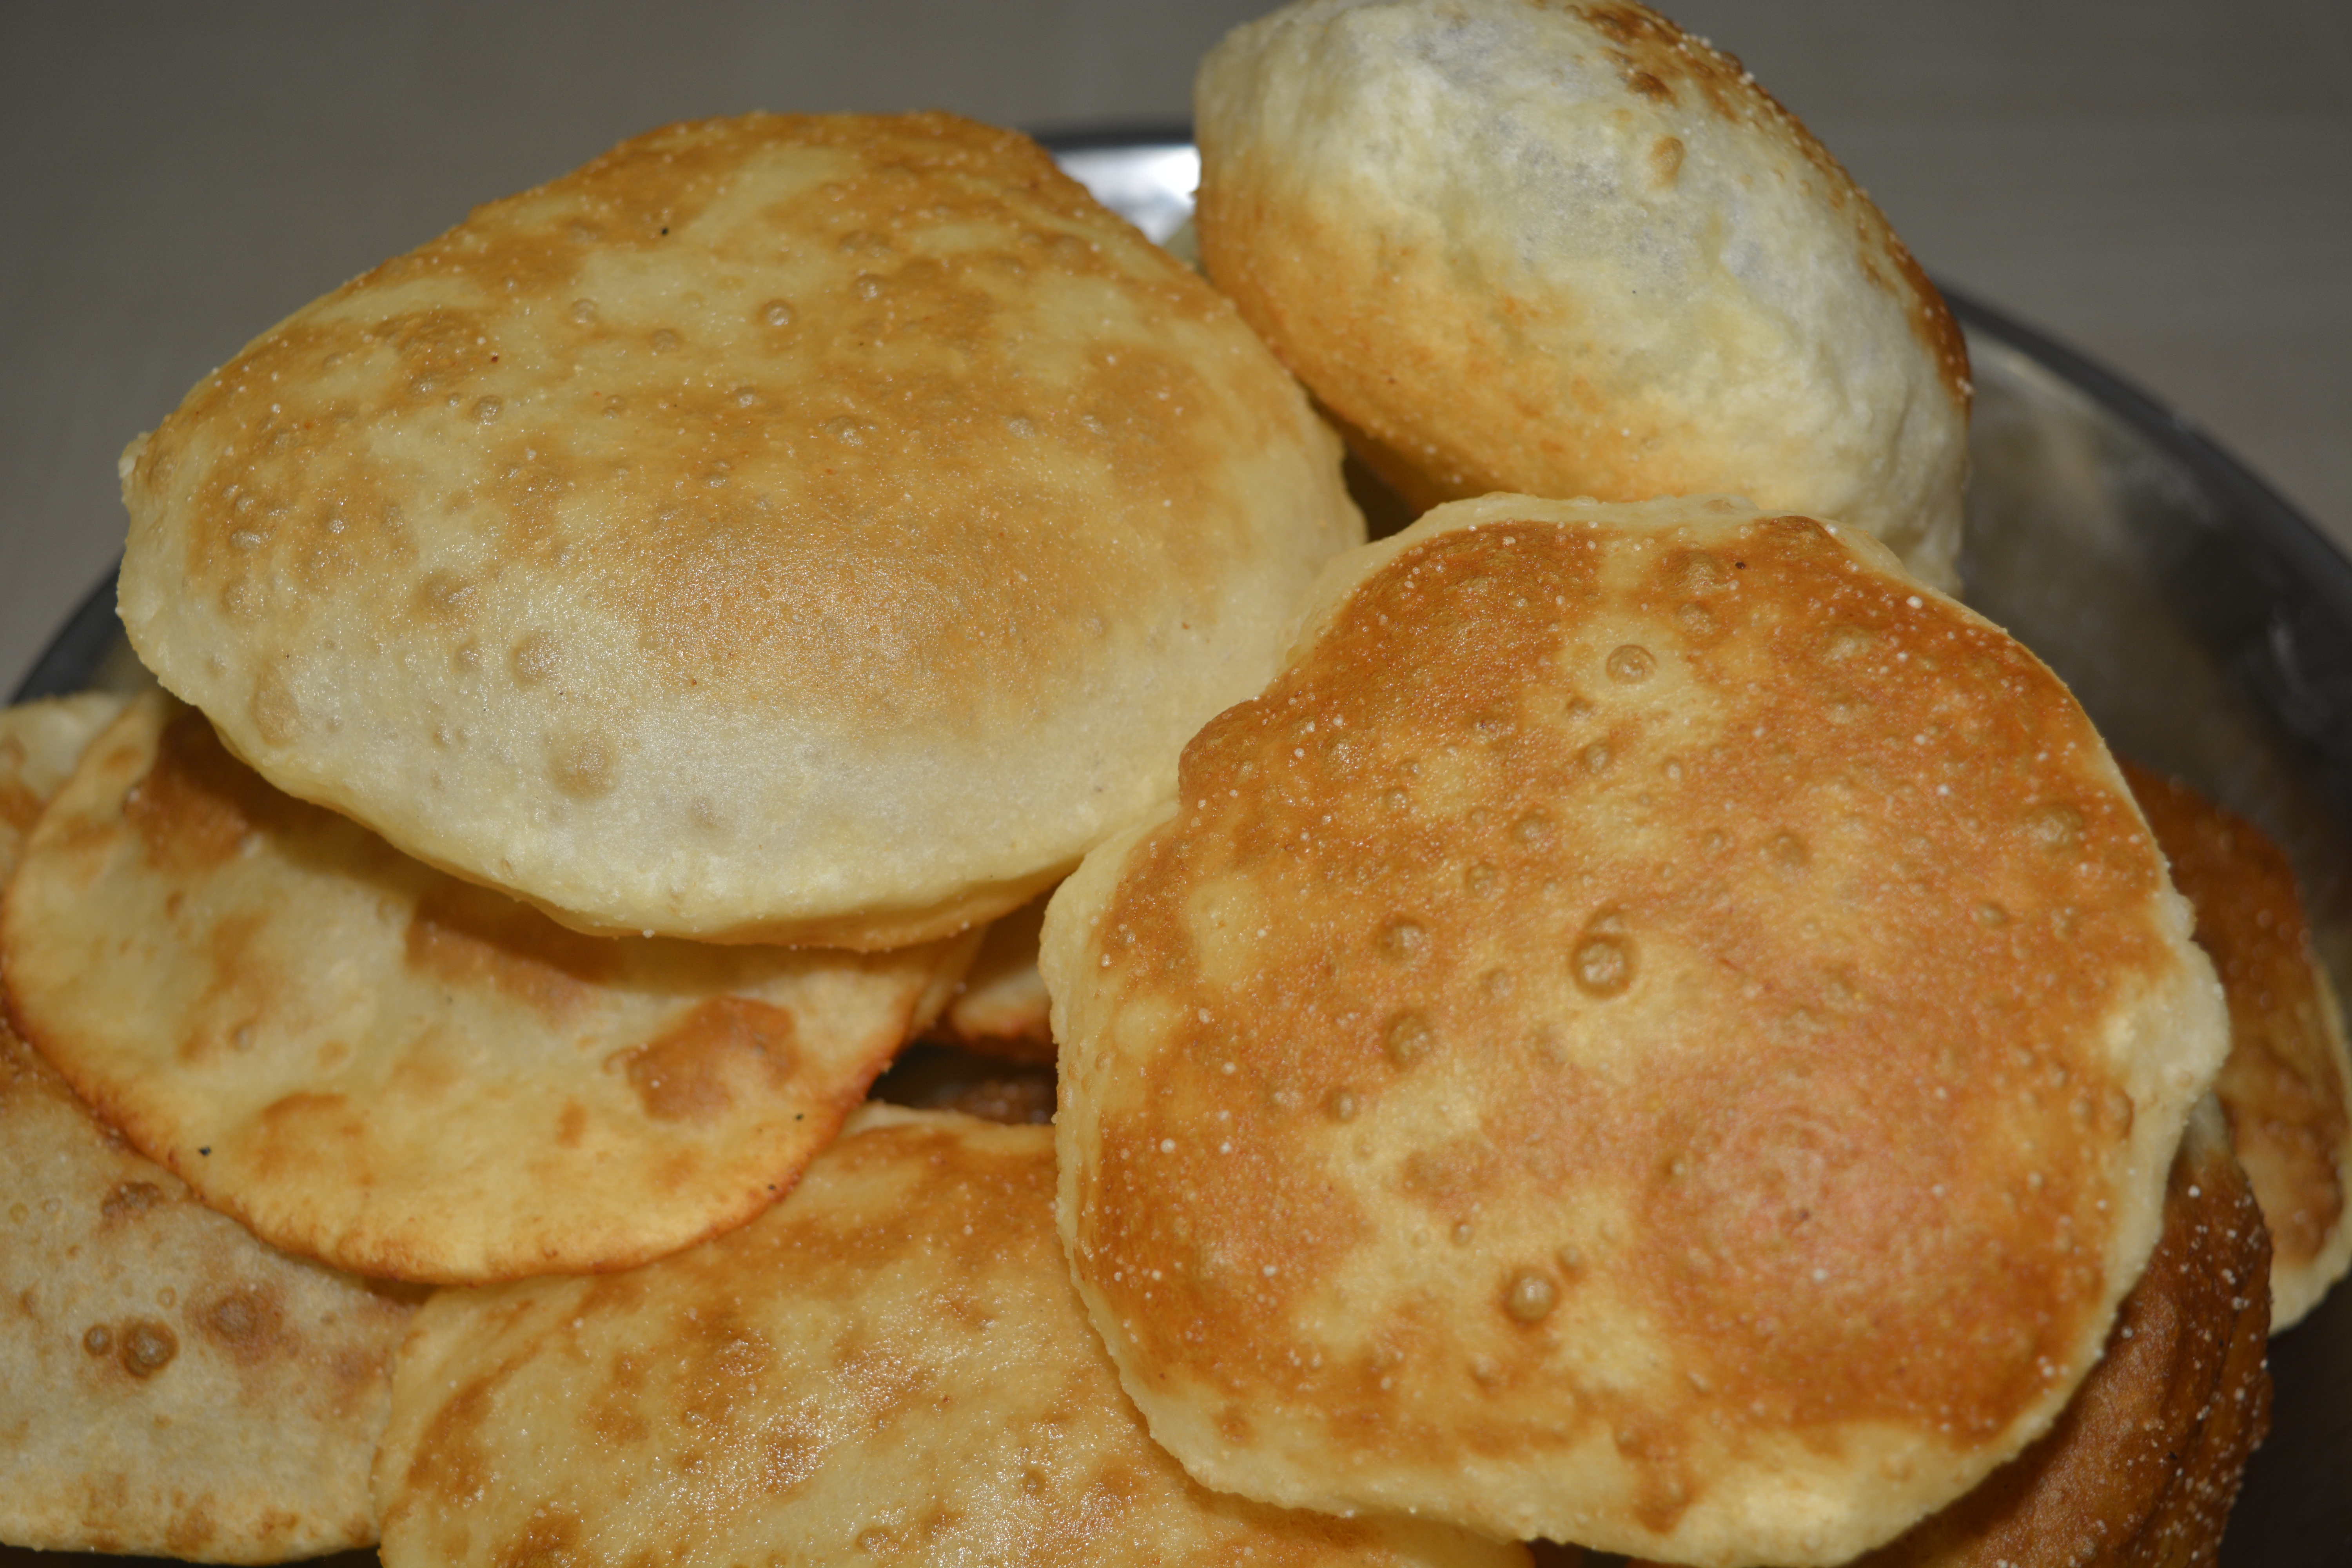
x: 2165, y: 184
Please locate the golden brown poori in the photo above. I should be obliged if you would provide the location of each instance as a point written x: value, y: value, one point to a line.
x: 2287, y: 1084
x: 1656, y: 1030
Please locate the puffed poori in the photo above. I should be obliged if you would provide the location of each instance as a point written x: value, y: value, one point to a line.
x: 373, y: 1063
x: 168, y: 1385
x: 809, y: 528
x: 1570, y: 251
x: 889, y: 1366
x: 2287, y: 1084
x: 1655, y: 1030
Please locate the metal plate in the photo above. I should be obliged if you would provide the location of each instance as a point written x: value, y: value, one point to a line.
x: 2205, y: 624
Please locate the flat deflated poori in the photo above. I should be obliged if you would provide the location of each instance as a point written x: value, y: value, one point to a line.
x: 1656, y: 1030
x: 167, y: 1384
x: 809, y: 528
x: 2287, y: 1084
x: 889, y: 1366
x: 374, y: 1064
x: 1568, y: 249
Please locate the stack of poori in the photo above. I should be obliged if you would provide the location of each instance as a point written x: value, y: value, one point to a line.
x: 1620, y: 1014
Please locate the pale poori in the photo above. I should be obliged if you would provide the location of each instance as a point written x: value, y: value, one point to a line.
x: 788, y: 528
x: 1570, y: 251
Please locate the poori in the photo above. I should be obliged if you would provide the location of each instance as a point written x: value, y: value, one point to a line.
x: 373, y: 1063
x: 1657, y: 1030
x: 888, y: 1366
x: 787, y: 528
x: 168, y: 1385
x: 2287, y: 1084
x: 1569, y: 249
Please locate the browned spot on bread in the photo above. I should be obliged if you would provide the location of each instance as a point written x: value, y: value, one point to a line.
x: 472, y: 937
x: 190, y: 809
x: 690, y: 1072
x: 445, y: 1463
x: 550, y: 1540
x: 144, y: 1346
x: 247, y: 1322
x: 129, y: 1200
x: 19, y: 807
x: 1666, y: 158
x: 581, y: 765
x: 192, y: 1528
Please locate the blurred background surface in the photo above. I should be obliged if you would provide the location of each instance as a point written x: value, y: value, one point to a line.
x: 2164, y: 185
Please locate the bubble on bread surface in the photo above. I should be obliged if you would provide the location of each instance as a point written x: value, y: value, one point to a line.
x: 1809, y: 1123
x: 863, y: 438
x: 345, y: 1047
x: 891, y: 1363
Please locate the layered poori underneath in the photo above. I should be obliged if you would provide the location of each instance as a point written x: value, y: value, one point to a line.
x: 1656, y: 1031
x: 786, y: 528
x: 373, y: 1063
x: 1000, y: 1007
x: 889, y: 1366
x: 2286, y: 1086
x: 2143, y: 1468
